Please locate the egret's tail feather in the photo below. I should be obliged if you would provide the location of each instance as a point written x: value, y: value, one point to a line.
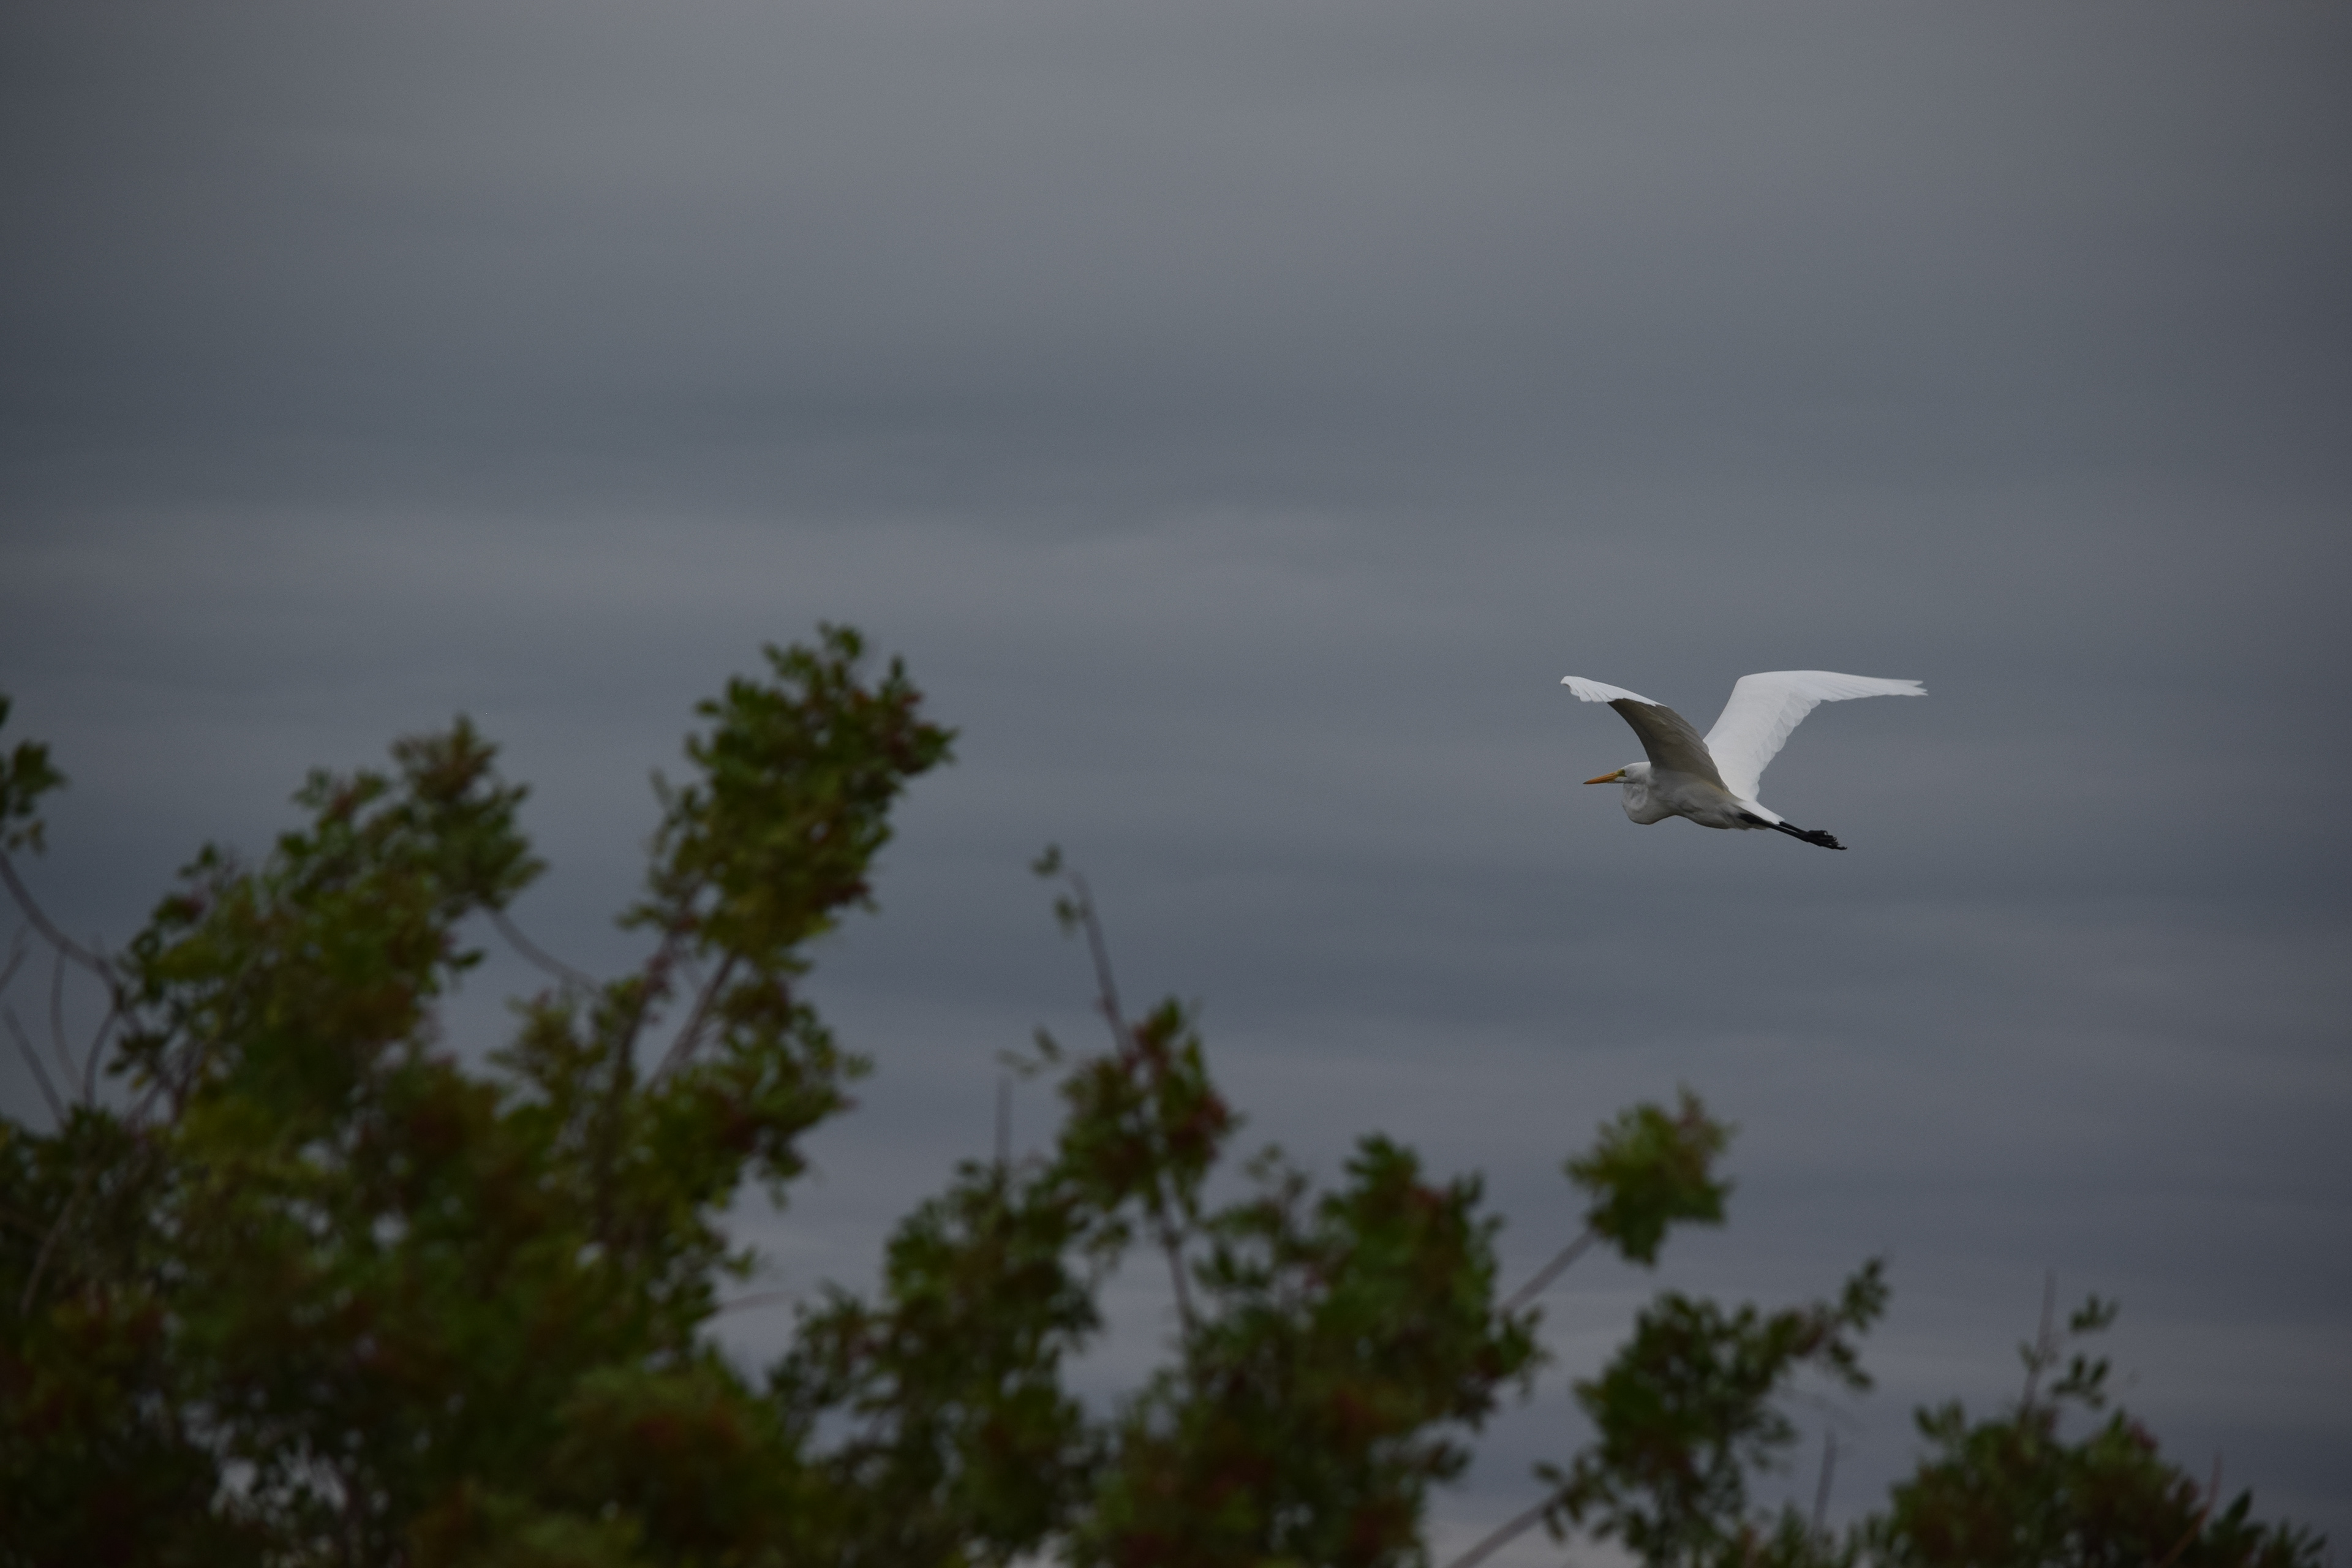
x: 1810, y: 836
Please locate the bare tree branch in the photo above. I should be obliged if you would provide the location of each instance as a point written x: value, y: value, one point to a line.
x: 155, y: 1086
x: 538, y: 956
x: 42, y: 923
x: 2045, y: 1341
x: 95, y: 1052
x: 19, y: 946
x: 1549, y: 1272
x: 33, y: 1060
x: 690, y: 1033
x: 666, y: 957
x: 2197, y: 1526
x: 1123, y: 1041
x: 1829, y: 1470
x: 1106, y: 986
x: 656, y: 984
x: 1511, y: 1531
x: 64, y: 950
x: 58, y: 1018
x: 1004, y: 1124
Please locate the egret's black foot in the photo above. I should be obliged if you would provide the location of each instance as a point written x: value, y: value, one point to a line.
x: 1808, y: 835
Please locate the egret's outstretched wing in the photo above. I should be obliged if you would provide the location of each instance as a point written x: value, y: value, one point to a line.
x: 1765, y: 708
x: 1667, y: 738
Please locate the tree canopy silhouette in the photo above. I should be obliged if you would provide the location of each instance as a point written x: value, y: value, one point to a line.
x: 284, y: 1280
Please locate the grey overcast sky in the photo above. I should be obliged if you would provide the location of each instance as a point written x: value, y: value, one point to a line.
x: 1242, y: 414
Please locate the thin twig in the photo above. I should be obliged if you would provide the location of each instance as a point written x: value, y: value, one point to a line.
x: 58, y: 1018
x: 656, y: 984
x: 67, y: 951
x: 17, y: 948
x: 96, y: 1051
x: 179, y: 1081
x: 690, y: 1034
x: 1822, y: 1492
x: 656, y: 971
x: 42, y: 923
x: 1124, y: 1041
x: 624, y: 1051
x: 1172, y: 1244
x: 1511, y: 1531
x: 1549, y: 1271
x: 537, y: 955
x: 146, y: 1102
x: 759, y: 1299
x: 2212, y: 1495
x: 1004, y: 1124
x: 2045, y: 1348
x: 33, y: 1060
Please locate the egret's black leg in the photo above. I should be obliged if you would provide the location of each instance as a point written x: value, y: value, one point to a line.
x: 1823, y: 840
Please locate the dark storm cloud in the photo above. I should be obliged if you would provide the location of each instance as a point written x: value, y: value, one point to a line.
x: 1025, y: 252
x: 1241, y: 415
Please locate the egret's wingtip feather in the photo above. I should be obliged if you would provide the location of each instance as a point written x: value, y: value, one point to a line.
x: 1589, y: 690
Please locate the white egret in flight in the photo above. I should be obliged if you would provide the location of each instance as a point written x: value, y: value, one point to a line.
x: 1713, y: 781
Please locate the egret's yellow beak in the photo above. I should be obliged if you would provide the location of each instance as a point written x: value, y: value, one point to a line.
x: 1608, y: 778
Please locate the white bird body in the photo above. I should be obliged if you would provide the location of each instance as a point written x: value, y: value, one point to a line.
x: 1713, y: 780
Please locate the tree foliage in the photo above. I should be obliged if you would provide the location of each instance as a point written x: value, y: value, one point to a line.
x: 298, y: 1284
x: 1685, y: 1411
x: 2013, y: 1489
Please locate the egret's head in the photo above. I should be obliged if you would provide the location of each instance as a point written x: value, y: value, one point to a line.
x: 1635, y: 779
